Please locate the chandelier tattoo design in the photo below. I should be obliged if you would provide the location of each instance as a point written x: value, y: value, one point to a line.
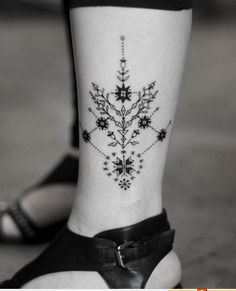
x: 122, y: 116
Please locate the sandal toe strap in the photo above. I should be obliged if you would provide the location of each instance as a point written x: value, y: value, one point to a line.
x: 23, y: 222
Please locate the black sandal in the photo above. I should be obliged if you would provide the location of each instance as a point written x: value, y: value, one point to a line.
x: 124, y: 257
x: 65, y: 172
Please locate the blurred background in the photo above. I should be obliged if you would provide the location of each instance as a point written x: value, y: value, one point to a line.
x: 200, y: 183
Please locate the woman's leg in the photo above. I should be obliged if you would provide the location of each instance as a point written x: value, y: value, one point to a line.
x: 129, y: 64
x: 129, y: 69
x: 51, y: 199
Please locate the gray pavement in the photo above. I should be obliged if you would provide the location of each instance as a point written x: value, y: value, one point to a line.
x: 200, y: 184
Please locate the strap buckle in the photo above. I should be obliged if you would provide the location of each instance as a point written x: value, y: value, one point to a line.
x: 120, y: 256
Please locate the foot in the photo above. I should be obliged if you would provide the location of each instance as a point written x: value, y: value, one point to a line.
x: 48, y: 202
x: 166, y: 275
x: 134, y: 256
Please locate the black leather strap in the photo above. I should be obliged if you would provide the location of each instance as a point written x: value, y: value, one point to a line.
x: 174, y: 5
x: 22, y: 221
x: 153, y: 225
x: 31, y: 233
x: 124, y: 254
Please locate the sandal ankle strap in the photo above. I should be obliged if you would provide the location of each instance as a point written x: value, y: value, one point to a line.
x: 125, y: 254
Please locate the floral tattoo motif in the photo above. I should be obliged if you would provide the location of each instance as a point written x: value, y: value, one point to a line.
x: 86, y: 136
x: 144, y: 122
x: 118, y: 110
x: 124, y: 184
x: 102, y: 123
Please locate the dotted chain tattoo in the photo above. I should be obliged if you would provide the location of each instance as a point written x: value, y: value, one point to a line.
x: 120, y: 109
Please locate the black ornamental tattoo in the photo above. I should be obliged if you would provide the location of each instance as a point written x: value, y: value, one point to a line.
x: 121, y: 116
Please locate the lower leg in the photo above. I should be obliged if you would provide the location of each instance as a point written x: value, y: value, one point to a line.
x: 129, y: 65
x: 153, y: 44
x: 125, y: 137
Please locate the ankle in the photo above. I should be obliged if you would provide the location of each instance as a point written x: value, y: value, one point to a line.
x: 94, y: 214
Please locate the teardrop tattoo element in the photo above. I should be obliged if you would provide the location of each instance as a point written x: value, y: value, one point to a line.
x: 115, y: 112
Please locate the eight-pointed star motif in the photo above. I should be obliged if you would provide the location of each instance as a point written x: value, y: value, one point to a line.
x: 123, y: 93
